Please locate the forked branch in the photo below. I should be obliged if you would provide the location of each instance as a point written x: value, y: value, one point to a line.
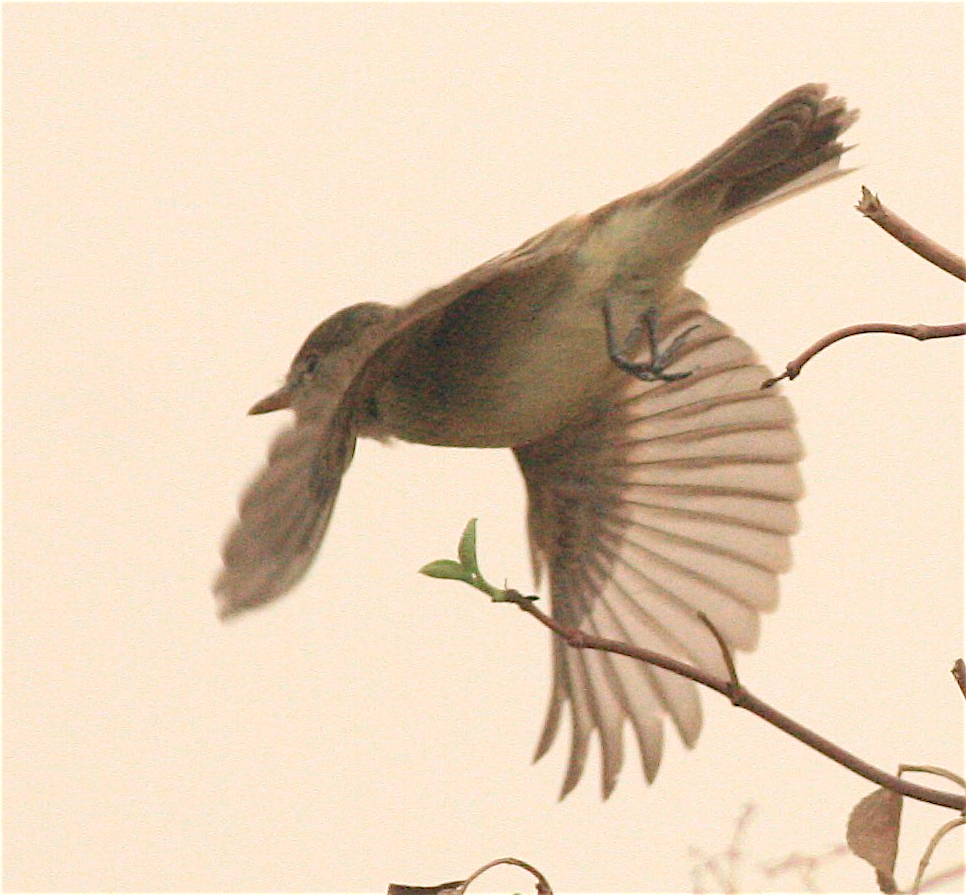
x: 870, y: 206
x: 467, y: 569
x: 740, y: 696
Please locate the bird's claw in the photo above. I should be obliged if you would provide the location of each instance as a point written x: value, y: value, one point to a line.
x: 654, y: 369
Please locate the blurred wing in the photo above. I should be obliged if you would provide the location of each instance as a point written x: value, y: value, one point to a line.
x: 673, y: 497
x: 283, y: 515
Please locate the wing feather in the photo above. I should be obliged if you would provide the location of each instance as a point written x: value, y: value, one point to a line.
x: 285, y: 511
x: 283, y: 516
x: 672, y: 497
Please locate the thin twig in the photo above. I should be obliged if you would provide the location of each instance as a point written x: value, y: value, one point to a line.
x: 542, y: 886
x: 805, y: 865
x: 932, y: 769
x: 943, y: 877
x: 723, y: 867
x: 920, y: 331
x: 927, y: 855
x: 743, y: 698
x: 726, y: 653
x: 870, y: 206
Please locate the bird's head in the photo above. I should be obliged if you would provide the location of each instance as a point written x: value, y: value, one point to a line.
x: 323, y: 356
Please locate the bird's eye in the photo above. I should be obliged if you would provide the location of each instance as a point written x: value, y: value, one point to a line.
x: 311, y: 364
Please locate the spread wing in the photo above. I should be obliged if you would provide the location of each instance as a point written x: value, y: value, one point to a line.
x: 284, y: 512
x: 673, y: 497
x: 283, y: 515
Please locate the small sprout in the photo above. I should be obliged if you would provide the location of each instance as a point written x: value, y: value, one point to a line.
x: 467, y: 547
x: 446, y: 568
x: 466, y: 568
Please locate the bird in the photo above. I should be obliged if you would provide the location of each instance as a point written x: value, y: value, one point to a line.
x: 661, y: 480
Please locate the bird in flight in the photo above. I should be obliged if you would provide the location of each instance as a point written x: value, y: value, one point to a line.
x: 661, y: 480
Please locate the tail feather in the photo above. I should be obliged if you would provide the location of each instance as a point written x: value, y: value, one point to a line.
x: 796, y: 136
x: 791, y: 146
x: 817, y: 153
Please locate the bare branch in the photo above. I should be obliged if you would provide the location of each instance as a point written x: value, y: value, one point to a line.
x: 542, y: 885
x: 870, y: 206
x: 459, y: 887
x: 920, y: 331
x: 729, y: 659
x: 723, y: 867
x: 742, y: 697
x: 922, y: 245
x: 927, y: 855
x: 932, y: 769
x: 943, y: 877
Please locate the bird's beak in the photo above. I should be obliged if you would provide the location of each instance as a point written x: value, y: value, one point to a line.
x: 277, y: 400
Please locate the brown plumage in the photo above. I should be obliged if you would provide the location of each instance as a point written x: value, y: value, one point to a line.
x: 648, y: 500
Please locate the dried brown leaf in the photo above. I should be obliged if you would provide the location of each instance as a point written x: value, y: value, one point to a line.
x: 873, y: 834
x: 442, y: 889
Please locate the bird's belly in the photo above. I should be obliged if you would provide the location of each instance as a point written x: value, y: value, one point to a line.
x: 511, y: 391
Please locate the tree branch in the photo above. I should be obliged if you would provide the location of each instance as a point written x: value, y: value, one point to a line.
x: 542, y: 886
x: 459, y: 887
x: 742, y: 697
x: 870, y: 206
x: 920, y: 331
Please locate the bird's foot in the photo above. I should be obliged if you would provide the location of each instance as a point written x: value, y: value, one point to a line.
x: 652, y: 370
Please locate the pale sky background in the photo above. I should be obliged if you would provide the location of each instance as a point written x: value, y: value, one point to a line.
x: 188, y: 190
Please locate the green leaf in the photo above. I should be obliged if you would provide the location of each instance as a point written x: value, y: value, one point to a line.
x: 446, y: 568
x: 467, y: 547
